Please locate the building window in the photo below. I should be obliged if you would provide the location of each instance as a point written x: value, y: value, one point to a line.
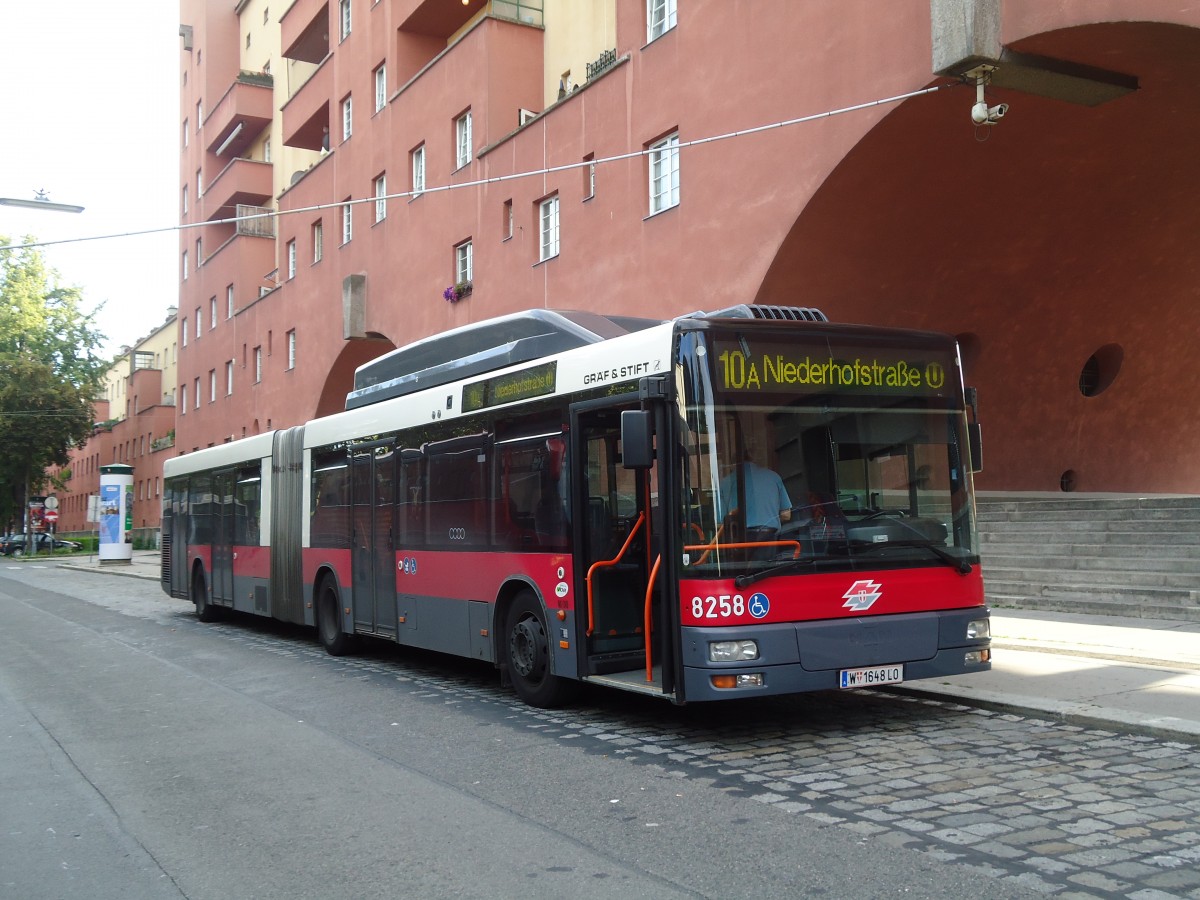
x: 548, y: 218
x: 291, y: 336
x: 212, y: 313
x: 185, y: 121
x: 199, y: 183
x: 418, y: 171
x: 196, y: 392
x: 199, y: 115
x: 229, y: 378
x: 464, y: 263
x: 185, y: 330
x: 229, y: 301
x: 664, y: 174
x: 291, y: 259
x: 380, y: 87
x: 660, y: 18
x: 506, y: 221
x: 212, y: 385
x: 183, y: 399
x: 199, y: 322
x: 247, y: 40
x: 318, y: 240
x: 257, y: 364
x: 185, y: 265
x: 199, y: 252
x: 589, y: 177
x: 381, y: 198
x: 347, y: 118
x: 462, y: 133
x: 347, y: 223
x: 344, y: 17
x: 185, y: 199
x: 267, y: 149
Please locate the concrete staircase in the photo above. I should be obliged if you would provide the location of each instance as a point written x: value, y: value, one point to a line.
x: 1137, y: 557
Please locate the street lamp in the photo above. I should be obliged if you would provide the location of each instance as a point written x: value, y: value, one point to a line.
x: 41, y: 201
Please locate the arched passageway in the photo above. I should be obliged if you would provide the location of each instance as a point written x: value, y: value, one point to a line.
x: 340, y: 380
x: 1064, y: 249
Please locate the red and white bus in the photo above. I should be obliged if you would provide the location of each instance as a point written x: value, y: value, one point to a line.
x: 561, y: 494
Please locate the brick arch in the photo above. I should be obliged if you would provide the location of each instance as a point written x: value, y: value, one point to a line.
x: 1067, y: 229
x: 340, y: 380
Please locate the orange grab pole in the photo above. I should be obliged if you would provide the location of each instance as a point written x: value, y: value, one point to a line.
x: 647, y: 616
x: 708, y: 548
x: 609, y: 562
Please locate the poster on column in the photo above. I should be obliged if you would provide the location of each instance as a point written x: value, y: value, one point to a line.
x: 110, y: 513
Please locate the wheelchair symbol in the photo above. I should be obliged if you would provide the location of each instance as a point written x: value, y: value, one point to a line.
x: 759, y: 605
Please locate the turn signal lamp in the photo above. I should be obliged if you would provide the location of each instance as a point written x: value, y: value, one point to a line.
x: 729, y: 682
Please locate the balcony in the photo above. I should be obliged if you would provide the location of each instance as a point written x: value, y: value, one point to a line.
x: 244, y: 181
x: 304, y: 30
x: 440, y: 19
x: 306, y: 114
x: 241, y: 115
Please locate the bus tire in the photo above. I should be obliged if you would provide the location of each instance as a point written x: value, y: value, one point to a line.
x: 329, y: 620
x: 205, y: 611
x: 527, y: 655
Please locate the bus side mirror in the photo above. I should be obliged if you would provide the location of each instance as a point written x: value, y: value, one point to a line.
x: 975, y: 445
x: 637, y: 439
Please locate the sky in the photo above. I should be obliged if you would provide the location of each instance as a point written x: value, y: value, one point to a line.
x: 90, y: 113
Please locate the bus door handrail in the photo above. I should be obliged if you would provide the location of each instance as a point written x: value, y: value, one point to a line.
x: 599, y: 564
x: 647, y: 616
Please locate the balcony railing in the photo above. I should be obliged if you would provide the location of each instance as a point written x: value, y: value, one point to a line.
x: 255, y: 221
x: 607, y: 60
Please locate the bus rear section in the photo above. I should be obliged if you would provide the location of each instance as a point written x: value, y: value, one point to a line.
x: 826, y: 515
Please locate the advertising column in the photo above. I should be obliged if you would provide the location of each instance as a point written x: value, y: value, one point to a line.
x: 116, y: 514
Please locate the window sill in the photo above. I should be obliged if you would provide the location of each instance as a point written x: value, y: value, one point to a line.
x: 663, y: 211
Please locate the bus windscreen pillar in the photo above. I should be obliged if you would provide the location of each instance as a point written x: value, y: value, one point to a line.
x: 116, y: 514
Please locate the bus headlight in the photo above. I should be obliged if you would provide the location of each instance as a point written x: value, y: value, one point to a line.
x: 979, y: 630
x: 732, y: 651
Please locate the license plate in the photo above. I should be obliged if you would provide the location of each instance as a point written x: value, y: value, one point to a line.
x: 872, y: 676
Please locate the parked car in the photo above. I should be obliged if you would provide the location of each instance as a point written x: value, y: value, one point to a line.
x: 18, y: 544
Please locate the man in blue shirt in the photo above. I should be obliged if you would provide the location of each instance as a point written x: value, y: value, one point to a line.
x: 767, y: 501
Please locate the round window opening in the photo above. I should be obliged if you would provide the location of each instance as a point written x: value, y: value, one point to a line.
x: 1100, y: 370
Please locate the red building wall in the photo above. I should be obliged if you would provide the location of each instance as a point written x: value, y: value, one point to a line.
x: 1061, y: 233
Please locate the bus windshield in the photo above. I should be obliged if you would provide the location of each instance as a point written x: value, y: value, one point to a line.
x: 841, y: 477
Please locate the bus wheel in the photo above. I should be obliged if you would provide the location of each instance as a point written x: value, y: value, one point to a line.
x: 329, y: 620
x: 527, y: 653
x: 205, y: 611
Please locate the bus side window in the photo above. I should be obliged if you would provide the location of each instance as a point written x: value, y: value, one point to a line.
x: 410, y: 497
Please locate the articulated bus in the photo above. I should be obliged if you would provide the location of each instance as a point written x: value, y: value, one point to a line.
x: 562, y: 494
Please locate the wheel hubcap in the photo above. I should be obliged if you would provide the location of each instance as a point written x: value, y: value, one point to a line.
x: 525, y: 645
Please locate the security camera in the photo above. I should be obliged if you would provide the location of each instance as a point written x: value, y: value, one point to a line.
x: 982, y: 114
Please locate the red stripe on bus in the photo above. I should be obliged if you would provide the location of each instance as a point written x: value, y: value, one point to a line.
x: 470, y: 575
x: 832, y: 595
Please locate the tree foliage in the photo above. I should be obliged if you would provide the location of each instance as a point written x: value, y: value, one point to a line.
x: 50, y: 368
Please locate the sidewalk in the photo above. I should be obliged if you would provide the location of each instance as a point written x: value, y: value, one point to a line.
x: 1111, y: 672
x: 1122, y: 674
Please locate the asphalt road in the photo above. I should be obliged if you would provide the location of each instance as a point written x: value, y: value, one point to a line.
x: 148, y: 755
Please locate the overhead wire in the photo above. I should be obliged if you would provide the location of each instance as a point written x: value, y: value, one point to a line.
x: 496, y: 179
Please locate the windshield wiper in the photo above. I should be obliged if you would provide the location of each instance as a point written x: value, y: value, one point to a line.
x: 963, y: 567
x: 742, y: 581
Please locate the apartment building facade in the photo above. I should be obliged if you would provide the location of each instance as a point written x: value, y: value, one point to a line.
x: 135, y: 426
x: 359, y: 174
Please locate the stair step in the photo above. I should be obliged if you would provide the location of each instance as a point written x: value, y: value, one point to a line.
x: 1135, y: 556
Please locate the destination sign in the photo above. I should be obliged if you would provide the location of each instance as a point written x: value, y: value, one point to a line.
x: 775, y: 366
x: 536, y: 381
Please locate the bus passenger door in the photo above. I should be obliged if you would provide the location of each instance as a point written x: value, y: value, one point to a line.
x: 615, y: 539
x: 222, y: 539
x: 373, y: 495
